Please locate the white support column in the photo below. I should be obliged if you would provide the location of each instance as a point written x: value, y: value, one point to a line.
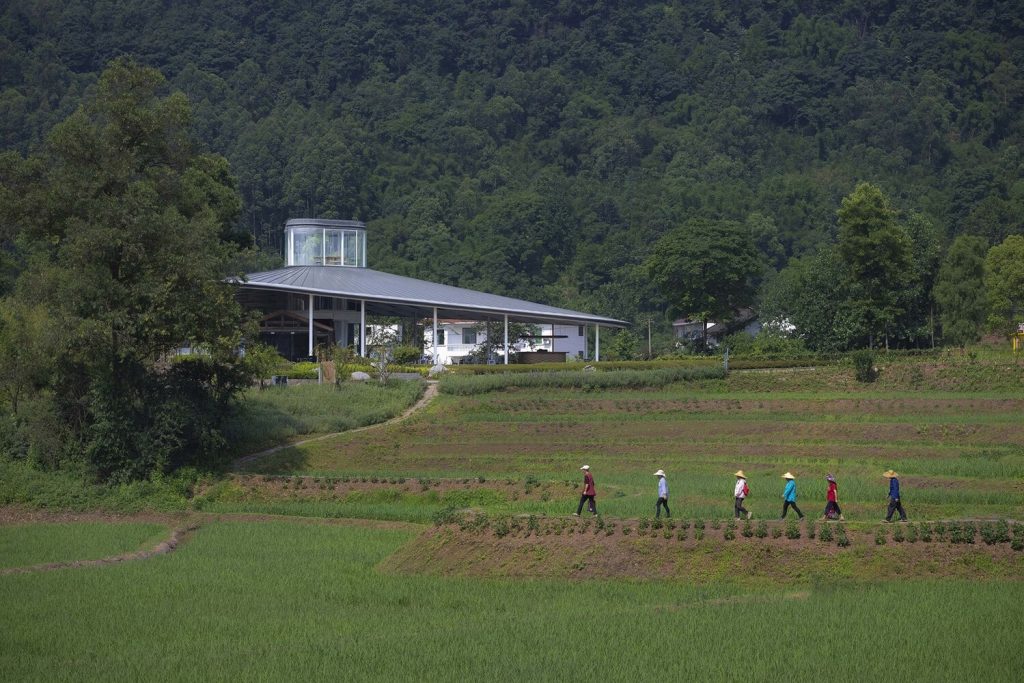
x: 434, y: 338
x: 362, y: 328
x: 506, y: 339
x: 597, y: 343
x: 310, y: 325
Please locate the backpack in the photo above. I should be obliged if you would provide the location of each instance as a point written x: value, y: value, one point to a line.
x: 746, y: 490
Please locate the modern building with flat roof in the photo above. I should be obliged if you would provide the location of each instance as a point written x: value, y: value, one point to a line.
x: 325, y: 292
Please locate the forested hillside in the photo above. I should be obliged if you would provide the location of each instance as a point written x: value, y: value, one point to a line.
x: 539, y: 149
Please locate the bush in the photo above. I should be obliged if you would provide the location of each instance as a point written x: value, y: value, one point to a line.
x: 404, y: 354
x: 466, y: 385
x: 864, y: 365
x: 748, y: 529
x: 793, y: 529
x: 880, y: 536
x: 842, y: 540
x: 762, y: 529
x: 825, y: 536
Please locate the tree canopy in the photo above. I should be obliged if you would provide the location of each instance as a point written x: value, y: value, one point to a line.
x: 540, y: 149
x: 121, y: 230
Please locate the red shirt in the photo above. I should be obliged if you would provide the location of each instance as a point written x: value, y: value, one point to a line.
x: 588, y: 484
x: 831, y: 495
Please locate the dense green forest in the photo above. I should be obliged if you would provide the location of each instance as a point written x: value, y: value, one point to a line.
x: 541, y: 148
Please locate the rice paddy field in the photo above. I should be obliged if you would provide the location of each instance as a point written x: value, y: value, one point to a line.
x: 281, y: 601
x: 442, y: 547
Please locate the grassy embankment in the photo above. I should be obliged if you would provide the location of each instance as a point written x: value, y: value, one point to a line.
x: 953, y: 430
x: 280, y: 601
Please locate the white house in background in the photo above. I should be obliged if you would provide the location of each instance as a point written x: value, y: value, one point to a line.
x: 457, y: 339
x: 687, y: 330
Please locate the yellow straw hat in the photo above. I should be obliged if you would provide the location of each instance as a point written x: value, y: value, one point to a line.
x: 787, y: 475
x: 889, y: 474
x: 660, y: 473
x: 739, y: 473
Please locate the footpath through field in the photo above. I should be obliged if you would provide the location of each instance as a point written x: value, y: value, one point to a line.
x: 428, y: 395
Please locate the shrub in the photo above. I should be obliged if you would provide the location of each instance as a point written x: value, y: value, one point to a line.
x: 842, y: 540
x: 748, y: 529
x: 826, y: 533
x: 501, y: 528
x: 811, y: 528
x: 926, y: 532
x: 792, y: 529
x: 644, y: 523
x: 912, y: 533
x: 1018, y: 543
x: 681, y: 535
x: 776, y: 532
x: 762, y: 529
x: 863, y: 365
x: 715, y: 524
x: 880, y: 536
x: 698, y: 524
x: 404, y: 354
x: 897, y: 534
x: 465, y: 385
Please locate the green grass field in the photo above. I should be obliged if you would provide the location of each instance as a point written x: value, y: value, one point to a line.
x: 23, y: 545
x: 275, y: 599
x: 284, y: 601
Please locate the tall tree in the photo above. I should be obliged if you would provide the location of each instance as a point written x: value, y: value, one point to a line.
x: 960, y: 290
x: 706, y: 268
x: 125, y: 241
x: 877, y: 251
x: 1004, y: 284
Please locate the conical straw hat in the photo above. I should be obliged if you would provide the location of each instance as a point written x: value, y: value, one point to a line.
x: 889, y: 474
x: 660, y: 473
x: 787, y: 475
x: 739, y: 473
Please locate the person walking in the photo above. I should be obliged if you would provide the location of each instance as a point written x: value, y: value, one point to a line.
x: 740, y: 493
x: 832, y: 510
x: 662, y: 495
x: 789, y: 496
x: 588, y: 493
x: 894, y: 496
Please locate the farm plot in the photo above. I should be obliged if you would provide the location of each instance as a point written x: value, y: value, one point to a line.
x: 960, y: 454
x: 281, y: 601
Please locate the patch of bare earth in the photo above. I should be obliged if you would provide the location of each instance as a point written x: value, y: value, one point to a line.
x: 448, y: 550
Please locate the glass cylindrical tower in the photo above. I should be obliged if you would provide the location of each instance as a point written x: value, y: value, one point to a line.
x: 324, y: 242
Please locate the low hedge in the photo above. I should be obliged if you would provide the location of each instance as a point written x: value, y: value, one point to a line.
x: 465, y: 385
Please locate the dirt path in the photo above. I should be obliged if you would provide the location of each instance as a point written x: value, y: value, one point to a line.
x: 178, y: 535
x: 161, y: 548
x: 428, y: 396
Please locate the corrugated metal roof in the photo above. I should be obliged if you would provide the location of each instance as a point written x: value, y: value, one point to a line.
x: 376, y: 286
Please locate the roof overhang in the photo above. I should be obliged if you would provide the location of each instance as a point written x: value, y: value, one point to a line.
x: 397, y: 295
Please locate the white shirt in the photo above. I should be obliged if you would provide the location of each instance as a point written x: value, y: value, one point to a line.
x: 662, y: 487
x: 739, y: 488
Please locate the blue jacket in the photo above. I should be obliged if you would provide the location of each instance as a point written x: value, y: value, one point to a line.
x: 790, y: 492
x: 894, y: 488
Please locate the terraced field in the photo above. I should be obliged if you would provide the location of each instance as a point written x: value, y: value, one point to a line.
x: 960, y: 454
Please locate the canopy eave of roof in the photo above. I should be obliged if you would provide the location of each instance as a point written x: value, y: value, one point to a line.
x: 407, y: 295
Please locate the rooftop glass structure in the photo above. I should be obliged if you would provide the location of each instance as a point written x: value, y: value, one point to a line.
x: 325, y: 242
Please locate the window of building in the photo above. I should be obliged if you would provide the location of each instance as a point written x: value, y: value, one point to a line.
x: 580, y: 330
x: 323, y: 303
x: 351, y: 305
x: 440, y: 337
x: 468, y: 335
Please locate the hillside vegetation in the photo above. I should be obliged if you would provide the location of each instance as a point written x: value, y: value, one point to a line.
x: 539, y: 149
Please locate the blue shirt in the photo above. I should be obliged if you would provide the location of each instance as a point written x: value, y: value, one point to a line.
x: 790, y: 492
x: 662, y: 487
x: 894, y: 488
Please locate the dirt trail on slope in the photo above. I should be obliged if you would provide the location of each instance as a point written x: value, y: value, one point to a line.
x: 428, y: 395
x: 185, y: 527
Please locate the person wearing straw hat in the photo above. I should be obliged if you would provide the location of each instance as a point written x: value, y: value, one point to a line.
x: 789, y: 496
x: 588, y: 493
x: 662, y: 495
x: 832, y: 510
x: 894, y: 496
x: 740, y: 493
